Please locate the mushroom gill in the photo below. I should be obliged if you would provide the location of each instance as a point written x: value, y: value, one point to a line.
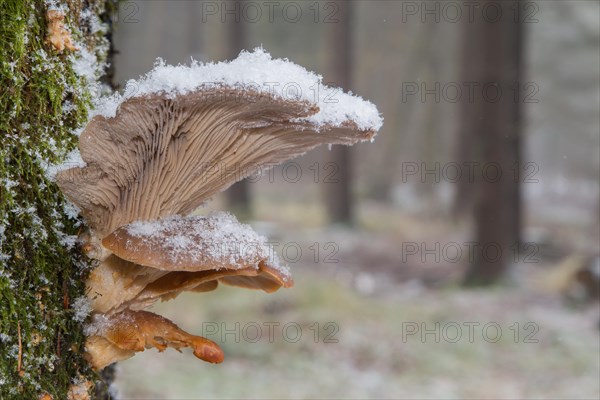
x: 161, y: 156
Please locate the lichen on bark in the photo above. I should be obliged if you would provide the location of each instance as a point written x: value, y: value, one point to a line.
x: 44, y: 100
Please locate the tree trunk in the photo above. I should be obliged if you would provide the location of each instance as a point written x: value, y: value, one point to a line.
x: 238, y: 195
x: 338, y: 190
x: 491, y: 138
x: 42, y: 271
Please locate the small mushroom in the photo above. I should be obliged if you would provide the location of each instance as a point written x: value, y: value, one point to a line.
x: 119, y: 336
x: 58, y: 36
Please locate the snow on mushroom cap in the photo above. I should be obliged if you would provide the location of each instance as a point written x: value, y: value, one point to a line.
x: 257, y: 71
x: 194, y: 243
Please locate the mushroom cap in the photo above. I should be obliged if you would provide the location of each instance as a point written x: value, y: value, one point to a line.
x: 165, y: 154
x: 160, y: 259
x: 195, y: 243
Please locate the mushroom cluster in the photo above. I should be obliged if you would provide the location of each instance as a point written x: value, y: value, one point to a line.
x: 167, y: 149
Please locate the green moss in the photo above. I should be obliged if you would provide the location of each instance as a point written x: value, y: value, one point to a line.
x: 42, y: 102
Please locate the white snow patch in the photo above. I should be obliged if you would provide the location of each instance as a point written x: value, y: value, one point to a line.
x: 71, y: 210
x: 95, y: 24
x: 9, y: 184
x: 257, y: 71
x: 216, y: 237
x: 85, y: 63
x: 67, y: 241
x: 73, y: 160
x: 101, y: 322
x: 82, y: 308
x: 67, y: 107
x: 55, y: 5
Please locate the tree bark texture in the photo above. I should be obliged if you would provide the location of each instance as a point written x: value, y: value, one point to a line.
x: 45, y: 97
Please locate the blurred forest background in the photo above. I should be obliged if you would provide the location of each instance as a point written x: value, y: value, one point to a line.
x: 378, y: 235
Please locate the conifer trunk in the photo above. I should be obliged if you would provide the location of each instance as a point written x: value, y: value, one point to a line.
x: 238, y: 196
x: 45, y: 96
x: 491, y: 138
x: 338, y: 191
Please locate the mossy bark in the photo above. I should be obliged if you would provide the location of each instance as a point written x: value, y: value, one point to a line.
x: 43, y: 101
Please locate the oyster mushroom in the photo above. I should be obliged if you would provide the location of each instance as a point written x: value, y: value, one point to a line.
x: 123, y: 334
x: 155, y: 155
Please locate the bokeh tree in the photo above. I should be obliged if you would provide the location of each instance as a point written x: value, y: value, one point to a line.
x: 238, y: 196
x: 338, y: 190
x: 490, y: 138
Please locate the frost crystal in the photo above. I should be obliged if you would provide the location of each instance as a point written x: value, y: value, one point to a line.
x: 73, y: 160
x: 71, y: 210
x: 85, y: 64
x: 82, y: 308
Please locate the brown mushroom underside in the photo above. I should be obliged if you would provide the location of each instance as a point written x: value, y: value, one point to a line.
x: 117, y: 284
x: 160, y: 156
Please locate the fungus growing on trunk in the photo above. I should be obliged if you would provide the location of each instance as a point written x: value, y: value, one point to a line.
x: 154, y: 155
x: 58, y: 36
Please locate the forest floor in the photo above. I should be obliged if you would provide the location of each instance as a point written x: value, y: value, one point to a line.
x: 365, y: 321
